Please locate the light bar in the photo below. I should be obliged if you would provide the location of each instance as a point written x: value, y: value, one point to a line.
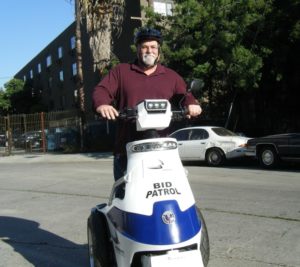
x: 156, y: 106
x: 154, y: 146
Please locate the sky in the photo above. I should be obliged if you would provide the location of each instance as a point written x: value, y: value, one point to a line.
x: 26, y: 28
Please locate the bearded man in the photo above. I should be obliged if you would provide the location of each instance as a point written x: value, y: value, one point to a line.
x: 126, y: 85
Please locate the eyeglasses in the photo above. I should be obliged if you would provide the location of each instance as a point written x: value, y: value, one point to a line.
x: 149, y: 47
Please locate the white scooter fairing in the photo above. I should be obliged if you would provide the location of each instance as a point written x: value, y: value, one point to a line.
x: 157, y: 222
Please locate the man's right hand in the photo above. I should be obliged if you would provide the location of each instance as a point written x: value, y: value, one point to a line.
x: 108, y: 112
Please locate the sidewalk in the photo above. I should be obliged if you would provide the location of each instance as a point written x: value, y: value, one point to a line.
x: 55, y: 157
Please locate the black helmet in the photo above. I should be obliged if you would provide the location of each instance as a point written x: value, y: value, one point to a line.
x: 148, y: 34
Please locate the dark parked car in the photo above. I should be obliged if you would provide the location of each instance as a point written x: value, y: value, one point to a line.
x: 270, y: 150
x: 29, y: 140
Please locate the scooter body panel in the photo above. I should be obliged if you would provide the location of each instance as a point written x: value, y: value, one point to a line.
x: 158, y: 211
x: 156, y: 223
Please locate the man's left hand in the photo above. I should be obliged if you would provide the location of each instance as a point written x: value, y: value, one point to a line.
x: 193, y: 111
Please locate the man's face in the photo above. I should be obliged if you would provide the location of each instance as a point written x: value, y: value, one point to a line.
x: 148, y: 53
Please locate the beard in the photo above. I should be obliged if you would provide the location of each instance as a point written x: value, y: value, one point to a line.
x: 149, y: 60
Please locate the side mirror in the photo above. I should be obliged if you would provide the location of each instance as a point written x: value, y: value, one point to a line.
x: 196, y: 85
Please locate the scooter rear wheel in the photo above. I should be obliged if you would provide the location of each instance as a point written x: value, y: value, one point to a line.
x: 204, y: 242
x: 100, y: 247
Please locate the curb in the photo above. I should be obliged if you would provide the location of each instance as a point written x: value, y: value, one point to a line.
x: 49, y: 157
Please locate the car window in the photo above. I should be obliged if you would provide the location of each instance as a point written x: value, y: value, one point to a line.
x: 180, y: 135
x: 223, y: 132
x: 198, y: 134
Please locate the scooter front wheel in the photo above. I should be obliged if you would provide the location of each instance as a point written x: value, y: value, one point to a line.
x: 99, y: 245
x: 204, y: 242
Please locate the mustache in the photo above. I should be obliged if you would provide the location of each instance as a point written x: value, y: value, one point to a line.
x: 149, y: 55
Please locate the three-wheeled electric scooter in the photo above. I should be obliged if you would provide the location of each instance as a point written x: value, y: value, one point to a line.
x: 156, y: 222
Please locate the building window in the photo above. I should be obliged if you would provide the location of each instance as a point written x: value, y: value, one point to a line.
x: 24, y: 78
x: 31, y: 74
x: 60, y: 52
x: 73, y: 42
x: 48, y: 61
x: 61, y: 76
x: 74, y: 69
x: 39, y: 68
x: 163, y: 7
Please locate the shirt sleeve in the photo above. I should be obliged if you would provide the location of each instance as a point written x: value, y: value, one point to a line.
x: 105, y: 92
x: 181, y: 88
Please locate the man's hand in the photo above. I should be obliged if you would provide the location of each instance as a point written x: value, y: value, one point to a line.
x: 193, y: 111
x: 108, y: 112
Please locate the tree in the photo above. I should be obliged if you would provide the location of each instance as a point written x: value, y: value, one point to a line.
x: 12, y: 88
x: 19, y: 97
x: 4, y: 102
x: 277, y: 96
x: 103, y: 18
x: 215, y: 41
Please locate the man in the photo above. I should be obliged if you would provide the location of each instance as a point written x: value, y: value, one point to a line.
x: 129, y: 84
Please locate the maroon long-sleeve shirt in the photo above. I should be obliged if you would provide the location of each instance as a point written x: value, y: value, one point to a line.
x: 126, y: 85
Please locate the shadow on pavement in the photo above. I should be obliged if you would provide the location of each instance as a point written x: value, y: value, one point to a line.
x: 40, y: 247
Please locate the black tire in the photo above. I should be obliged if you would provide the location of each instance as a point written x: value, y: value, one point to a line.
x: 268, y: 157
x: 99, y: 245
x: 215, y: 157
x: 204, y: 243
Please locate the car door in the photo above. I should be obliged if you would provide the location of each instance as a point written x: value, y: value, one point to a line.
x: 192, y: 144
x: 198, y: 142
x: 181, y: 136
x: 294, y: 146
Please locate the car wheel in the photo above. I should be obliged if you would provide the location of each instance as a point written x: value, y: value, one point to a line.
x: 214, y: 157
x: 204, y: 242
x: 268, y: 157
x: 99, y: 244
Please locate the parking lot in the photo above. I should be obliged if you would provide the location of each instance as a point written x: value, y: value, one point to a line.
x: 252, y: 215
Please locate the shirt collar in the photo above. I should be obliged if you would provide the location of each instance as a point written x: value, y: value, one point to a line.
x: 159, y: 70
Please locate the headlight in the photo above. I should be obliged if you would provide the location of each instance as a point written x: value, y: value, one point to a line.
x: 156, y: 105
x: 154, y: 146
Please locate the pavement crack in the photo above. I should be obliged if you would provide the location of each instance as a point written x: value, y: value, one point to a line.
x: 254, y: 260
x: 252, y: 215
x: 40, y: 243
x: 51, y: 192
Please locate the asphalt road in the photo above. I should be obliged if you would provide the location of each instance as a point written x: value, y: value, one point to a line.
x: 252, y: 215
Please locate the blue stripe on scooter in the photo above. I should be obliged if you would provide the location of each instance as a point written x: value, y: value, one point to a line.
x: 152, y: 230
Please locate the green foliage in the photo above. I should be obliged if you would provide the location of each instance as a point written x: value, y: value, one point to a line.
x: 12, y: 88
x: 4, y: 102
x: 19, y: 97
x: 113, y: 62
x: 215, y: 40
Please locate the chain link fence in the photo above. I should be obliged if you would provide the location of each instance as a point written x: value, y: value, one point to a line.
x: 40, y: 132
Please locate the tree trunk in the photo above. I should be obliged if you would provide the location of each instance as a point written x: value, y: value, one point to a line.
x: 80, y: 86
x: 79, y: 81
x: 100, y: 43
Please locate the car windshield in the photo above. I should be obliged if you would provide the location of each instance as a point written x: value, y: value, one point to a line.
x: 223, y: 132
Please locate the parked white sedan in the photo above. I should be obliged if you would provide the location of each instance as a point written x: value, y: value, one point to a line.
x: 211, y: 144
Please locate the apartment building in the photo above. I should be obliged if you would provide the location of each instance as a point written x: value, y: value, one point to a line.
x: 53, y: 72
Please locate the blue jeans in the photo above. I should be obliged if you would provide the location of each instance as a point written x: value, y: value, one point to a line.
x: 120, y: 165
